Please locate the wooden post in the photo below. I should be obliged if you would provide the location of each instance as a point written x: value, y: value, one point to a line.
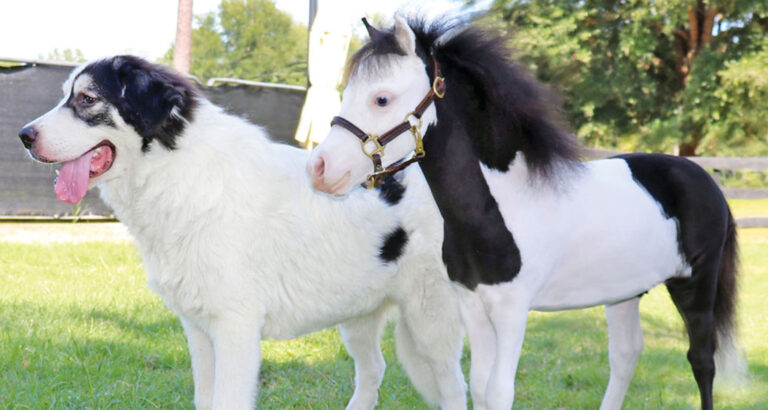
x: 182, y: 49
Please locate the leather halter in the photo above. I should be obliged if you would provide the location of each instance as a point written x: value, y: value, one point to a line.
x: 373, y: 145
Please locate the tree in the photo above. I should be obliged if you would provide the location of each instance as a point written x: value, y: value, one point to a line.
x: 662, y: 75
x: 249, y: 39
x: 67, y: 54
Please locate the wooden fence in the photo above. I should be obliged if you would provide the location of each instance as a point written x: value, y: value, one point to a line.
x: 719, y: 164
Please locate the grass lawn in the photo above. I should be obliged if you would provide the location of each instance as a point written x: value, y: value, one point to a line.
x: 748, y: 207
x: 79, y: 329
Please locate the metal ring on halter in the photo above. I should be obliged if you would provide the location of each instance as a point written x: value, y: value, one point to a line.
x: 438, y: 87
x: 412, y: 115
x: 377, y: 147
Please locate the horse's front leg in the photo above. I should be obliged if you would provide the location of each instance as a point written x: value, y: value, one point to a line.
x: 624, y: 349
x: 482, y: 343
x: 238, y: 357
x: 507, y: 306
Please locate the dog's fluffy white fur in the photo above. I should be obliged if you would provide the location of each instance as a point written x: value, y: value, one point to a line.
x: 240, y: 247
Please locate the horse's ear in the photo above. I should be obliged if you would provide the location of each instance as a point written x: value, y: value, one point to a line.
x: 372, y: 31
x: 404, y: 35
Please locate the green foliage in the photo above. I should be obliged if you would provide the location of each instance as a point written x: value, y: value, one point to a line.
x: 741, y: 103
x: 67, y: 54
x: 248, y: 39
x: 634, y: 80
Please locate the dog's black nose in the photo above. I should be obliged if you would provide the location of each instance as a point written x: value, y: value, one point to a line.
x: 28, y: 136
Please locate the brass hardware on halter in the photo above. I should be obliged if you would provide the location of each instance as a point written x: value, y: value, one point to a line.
x: 416, y: 132
x: 419, y: 150
x: 379, y: 173
x: 373, y: 181
x: 377, y: 147
x: 438, y: 87
x: 375, y: 154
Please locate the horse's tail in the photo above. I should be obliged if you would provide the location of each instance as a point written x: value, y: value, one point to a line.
x: 730, y: 366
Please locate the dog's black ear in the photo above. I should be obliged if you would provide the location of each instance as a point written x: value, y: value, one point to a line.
x: 155, y: 101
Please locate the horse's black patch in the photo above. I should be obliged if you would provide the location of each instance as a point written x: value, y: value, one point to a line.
x: 156, y: 102
x: 393, y: 245
x: 477, y: 247
x: 707, y: 239
x: 685, y: 192
x: 391, y: 191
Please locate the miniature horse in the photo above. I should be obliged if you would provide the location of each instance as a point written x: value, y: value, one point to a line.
x: 528, y: 226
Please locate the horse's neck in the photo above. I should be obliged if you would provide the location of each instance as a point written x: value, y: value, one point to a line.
x: 452, y: 169
x: 477, y: 248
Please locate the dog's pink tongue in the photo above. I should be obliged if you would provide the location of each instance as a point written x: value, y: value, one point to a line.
x: 72, y: 183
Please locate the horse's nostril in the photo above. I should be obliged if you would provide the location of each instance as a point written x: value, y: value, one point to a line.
x: 28, y: 135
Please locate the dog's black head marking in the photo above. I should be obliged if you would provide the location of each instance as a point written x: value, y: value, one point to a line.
x: 155, y: 101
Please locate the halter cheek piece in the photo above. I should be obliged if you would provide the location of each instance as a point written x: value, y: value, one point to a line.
x: 373, y: 145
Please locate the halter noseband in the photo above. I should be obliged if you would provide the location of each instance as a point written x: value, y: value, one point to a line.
x: 373, y: 145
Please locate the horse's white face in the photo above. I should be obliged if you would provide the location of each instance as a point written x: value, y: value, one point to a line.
x: 381, y: 92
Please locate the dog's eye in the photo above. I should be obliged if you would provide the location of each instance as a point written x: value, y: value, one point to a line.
x: 86, y: 99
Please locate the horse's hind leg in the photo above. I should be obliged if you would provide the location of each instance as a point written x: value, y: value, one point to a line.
x: 624, y: 349
x: 695, y: 300
x: 362, y: 337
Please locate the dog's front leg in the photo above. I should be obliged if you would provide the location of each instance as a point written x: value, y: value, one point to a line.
x: 236, y: 346
x: 201, y: 353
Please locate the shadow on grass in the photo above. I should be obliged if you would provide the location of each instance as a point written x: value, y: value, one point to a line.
x: 564, y: 364
x: 100, y: 358
x: 109, y: 359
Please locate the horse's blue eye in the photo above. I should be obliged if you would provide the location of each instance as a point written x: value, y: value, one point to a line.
x: 382, y: 101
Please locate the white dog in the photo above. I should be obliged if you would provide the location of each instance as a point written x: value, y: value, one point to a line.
x: 238, y: 244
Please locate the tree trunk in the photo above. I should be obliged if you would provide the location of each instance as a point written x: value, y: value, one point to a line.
x: 691, y: 40
x: 182, y: 49
x: 688, y: 148
x: 688, y: 43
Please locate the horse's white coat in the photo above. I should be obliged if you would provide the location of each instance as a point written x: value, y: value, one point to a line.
x: 578, y: 240
x: 241, y: 248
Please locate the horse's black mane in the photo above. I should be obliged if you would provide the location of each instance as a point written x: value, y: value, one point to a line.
x: 507, y: 110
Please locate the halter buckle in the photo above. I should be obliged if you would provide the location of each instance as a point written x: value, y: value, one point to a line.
x: 419, y: 150
x: 376, y: 179
x: 377, y: 147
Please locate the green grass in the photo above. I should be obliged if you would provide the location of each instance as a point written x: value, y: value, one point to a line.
x: 742, y: 208
x: 79, y: 329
